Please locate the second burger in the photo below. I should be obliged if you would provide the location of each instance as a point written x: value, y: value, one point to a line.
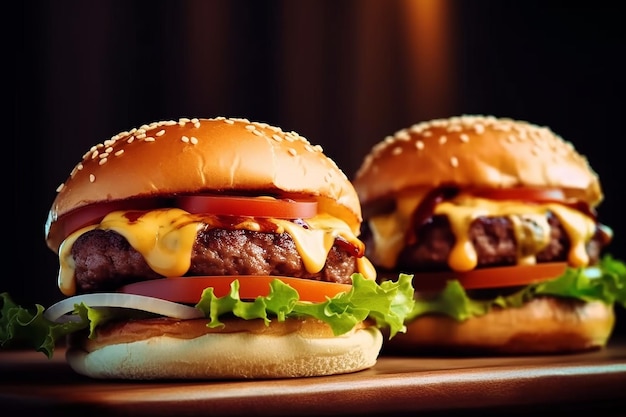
x: 496, y: 220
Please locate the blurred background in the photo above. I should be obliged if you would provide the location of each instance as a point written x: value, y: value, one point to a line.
x: 342, y: 73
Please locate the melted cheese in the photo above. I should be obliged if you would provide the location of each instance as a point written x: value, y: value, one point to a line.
x: 530, y: 227
x: 389, y: 230
x: 166, y: 237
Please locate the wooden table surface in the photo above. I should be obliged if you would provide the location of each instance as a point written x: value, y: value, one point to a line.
x: 396, y: 385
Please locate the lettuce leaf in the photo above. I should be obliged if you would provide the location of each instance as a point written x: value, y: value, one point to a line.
x: 606, y: 283
x: 387, y: 304
x: 20, y: 327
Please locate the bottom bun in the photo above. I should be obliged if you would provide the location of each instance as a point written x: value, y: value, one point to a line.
x: 543, y: 325
x: 308, y: 349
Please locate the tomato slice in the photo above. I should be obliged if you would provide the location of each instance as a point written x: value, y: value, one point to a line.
x: 504, y: 276
x: 189, y: 289
x: 248, y: 206
x: 93, y: 214
x: 521, y: 194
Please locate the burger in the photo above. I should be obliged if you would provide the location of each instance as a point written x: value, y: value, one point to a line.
x: 210, y: 248
x: 496, y: 221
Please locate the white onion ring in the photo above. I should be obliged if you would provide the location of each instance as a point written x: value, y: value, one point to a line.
x: 57, y: 312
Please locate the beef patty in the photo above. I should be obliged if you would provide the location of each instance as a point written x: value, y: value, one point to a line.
x: 492, y: 237
x: 104, y: 260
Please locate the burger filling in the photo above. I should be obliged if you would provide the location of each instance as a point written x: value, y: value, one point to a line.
x: 104, y: 260
x: 494, y: 242
x: 129, y: 246
x: 449, y: 230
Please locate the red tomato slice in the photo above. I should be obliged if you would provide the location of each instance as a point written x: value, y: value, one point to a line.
x: 505, y: 276
x: 94, y: 213
x: 189, y: 289
x: 521, y: 194
x: 248, y: 206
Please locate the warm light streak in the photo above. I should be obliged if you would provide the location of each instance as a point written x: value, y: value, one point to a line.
x: 430, y: 80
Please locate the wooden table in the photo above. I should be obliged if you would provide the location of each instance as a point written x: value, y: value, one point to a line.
x: 503, y: 386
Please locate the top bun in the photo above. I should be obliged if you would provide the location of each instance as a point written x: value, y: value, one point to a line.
x: 204, y: 155
x: 475, y: 151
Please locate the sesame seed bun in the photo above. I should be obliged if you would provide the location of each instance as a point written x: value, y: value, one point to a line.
x: 543, y: 325
x: 476, y: 151
x: 190, y: 349
x: 203, y: 155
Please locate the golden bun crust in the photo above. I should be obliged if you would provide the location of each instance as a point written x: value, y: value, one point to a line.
x: 284, y: 349
x: 542, y: 326
x: 475, y: 151
x: 204, y: 155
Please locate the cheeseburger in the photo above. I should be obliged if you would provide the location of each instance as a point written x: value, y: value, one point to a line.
x: 210, y: 248
x: 496, y: 221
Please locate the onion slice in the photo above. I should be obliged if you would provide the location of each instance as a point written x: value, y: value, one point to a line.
x: 57, y: 312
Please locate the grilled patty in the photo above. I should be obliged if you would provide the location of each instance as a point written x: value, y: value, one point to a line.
x: 492, y: 237
x: 104, y: 260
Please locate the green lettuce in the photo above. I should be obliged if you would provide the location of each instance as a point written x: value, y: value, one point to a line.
x: 386, y: 304
x: 606, y: 283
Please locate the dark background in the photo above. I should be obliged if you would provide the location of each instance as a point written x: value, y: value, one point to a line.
x: 344, y: 74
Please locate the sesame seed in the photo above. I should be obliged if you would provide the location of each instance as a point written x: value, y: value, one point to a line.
x: 118, y: 153
x: 103, y: 161
x: 228, y: 121
x: 257, y: 132
x: 464, y: 138
x: 419, y: 145
x: 149, y: 139
x: 402, y: 135
x: 193, y: 140
x: 92, y: 178
x: 479, y: 128
x: 60, y: 187
x: 94, y: 154
x: 250, y: 127
x: 292, y: 151
x: 443, y: 139
x: 277, y: 138
x: 185, y: 139
x: 396, y: 151
x: 130, y: 139
x: 318, y: 148
x: 416, y: 128
x: 160, y: 132
x: 454, y: 161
